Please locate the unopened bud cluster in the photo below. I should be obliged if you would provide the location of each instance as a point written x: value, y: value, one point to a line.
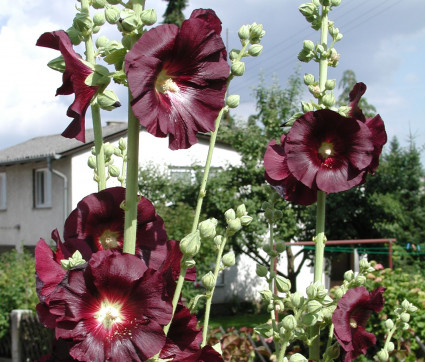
x: 236, y: 219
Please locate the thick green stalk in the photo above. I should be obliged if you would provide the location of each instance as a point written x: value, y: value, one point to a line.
x: 211, y: 292
x: 314, y: 351
x: 95, y: 110
x: 271, y: 283
x: 131, y: 199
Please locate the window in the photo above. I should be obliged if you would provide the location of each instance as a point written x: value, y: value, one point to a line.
x: 3, y: 201
x: 182, y: 174
x: 42, y: 188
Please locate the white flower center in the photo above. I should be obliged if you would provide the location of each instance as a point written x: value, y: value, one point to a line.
x: 353, y: 323
x: 109, y: 314
x: 164, y: 83
x: 108, y: 239
x: 326, y: 150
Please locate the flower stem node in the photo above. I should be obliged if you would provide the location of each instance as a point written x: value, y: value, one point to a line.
x: 148, y: 17
x: 233, y: 100
x: 289, y: 323
x: 208, y: 281
x: 75, y: 260
x: 283, y: 285
x: 99, y: 18
x: 108, y: 100
x: 229, y: 259
x: 261, y: 270
x: 298, y: 357
x: 112, y: 14
x: 382, y: 355
x: 207, y: 229
x: 255, y: 50
x: 74, y: 35
x: 238, y: 68
x: 243, y: 32
x: 99, y: 4
x: 389, y: 324
x: 190, y: 244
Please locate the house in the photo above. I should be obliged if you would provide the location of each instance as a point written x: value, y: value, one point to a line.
x: 43, y: 179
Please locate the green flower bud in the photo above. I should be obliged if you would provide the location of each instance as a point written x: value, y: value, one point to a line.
x: 234, y: 53
x: 333, y: 351
x: 283, y: 285
x: 218, y: 240
x: 339, y: 293
x: 308, y: 79
x: 189, y: 263
x: 229, y: 259
x: 208, y: 281
x: 207, y: 229
x: 364, y: 264
x: 325, y: 2
x: 255, y: 50
x: 330, y: 84
x: 241, y: 211
x: 108, y: 100
x: 412, y: 309
x: 91, y: 162
x: 268, y: 213
x: 313, y: 306
x: 309, y: 319
x: 389, y: 324
x: 102, y: 42
x: 311, y: 291
x: 280, y: 247
x: 233, y: 100
x: 307, y: 107
x: 338, y: 37
x: 75, y: 35
x: 335, y: 2
x: 307, y: 9
x: 405, y: 304
x: 246, y: 220
x: 360, y: 280
x: 298, y: 357
x: 289, y: 323
x: 305, y: 56
x: 230, y: 215
x: 256, y: 31
x: 128, y: 20
x: 267, y: 249
x: 382, y: 355
x: 190, y: 244
x: 57, y: 64
x: 266, y: 295
x: 234, y: 226
x: 333, y: 31
x: 349, y: 275
x: 122, y: 144
x: 390, y: 347
x: 96, y: 29
x: 99, y: 4
x: 327, y: 313
x: 148, y: 16
x: 261, y: 270
x: 75, y: 260
x: 296, y: 299
x: 113, y: 170
x: 405, y: 317
x: 243, y: 32
x: 112, y: 14
x: 83, y: 23
x: 319, y: 48
x: 113, y: 2
x: 343, y: 111
x: 277, y: 214
x: 238, y: 68
x: 308, y: 45
x: 108, y: 150
x: 99, y: 18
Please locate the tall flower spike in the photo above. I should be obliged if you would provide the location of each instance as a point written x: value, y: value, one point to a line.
x: 73, y: 79
x: 350, y: 318
x: 178, y: 77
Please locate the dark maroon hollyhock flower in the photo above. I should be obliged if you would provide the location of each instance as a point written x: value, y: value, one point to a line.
x: 278, y: 175
x: 206, y: 354
x: 375, y: 124
x: 113, y: 310
x: 73, y: 79
x: 350, y: 317
x: 178, y: 77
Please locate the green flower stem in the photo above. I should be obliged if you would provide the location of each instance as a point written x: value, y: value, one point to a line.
x: 95, y: 110
x: 389, y: 336
x: 282, y: 350
x: 176, y: 296
x: 314, y: 351
x: 210, y: 293
x: 328, y: 344
x: 271, y: 283
x: 131, y: 199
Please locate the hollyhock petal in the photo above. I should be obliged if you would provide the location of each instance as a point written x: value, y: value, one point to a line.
x: 355, y: 95
x: 275, y: 164
x: 178, y: 77
x: 379, y: 139
x: 206, y: 354
x: 73, y: 78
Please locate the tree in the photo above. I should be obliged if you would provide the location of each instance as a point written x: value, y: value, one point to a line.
x: 174, y: 12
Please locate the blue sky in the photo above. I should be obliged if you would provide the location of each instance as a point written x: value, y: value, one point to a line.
x: 383, y: 44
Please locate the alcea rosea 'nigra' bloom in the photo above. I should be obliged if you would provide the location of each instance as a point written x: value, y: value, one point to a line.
x: 350, y: 317
x: 115, y: 309
x: 325, y: 151
x: 178, y: 77
x: 76, y: 72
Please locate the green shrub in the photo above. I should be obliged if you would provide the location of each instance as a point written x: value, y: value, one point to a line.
x: 17, y: 285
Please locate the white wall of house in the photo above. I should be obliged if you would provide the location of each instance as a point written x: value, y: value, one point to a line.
x: 21, y: 223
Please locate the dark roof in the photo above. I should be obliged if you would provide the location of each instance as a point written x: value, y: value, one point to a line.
x: 56, y: 145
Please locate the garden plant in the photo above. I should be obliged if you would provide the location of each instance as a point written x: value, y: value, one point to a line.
x: 111, y: 288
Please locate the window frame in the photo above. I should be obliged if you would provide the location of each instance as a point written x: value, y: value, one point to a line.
x: 43, y: 200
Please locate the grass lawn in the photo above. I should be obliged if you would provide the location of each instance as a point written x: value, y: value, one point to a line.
x: 239, y: 320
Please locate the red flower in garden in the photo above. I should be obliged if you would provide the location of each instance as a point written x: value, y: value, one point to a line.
x: 178, y: 77
x: 113, y: 310
x: 73, y: 78
x: 350, y: 317
x: 325, y: 151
